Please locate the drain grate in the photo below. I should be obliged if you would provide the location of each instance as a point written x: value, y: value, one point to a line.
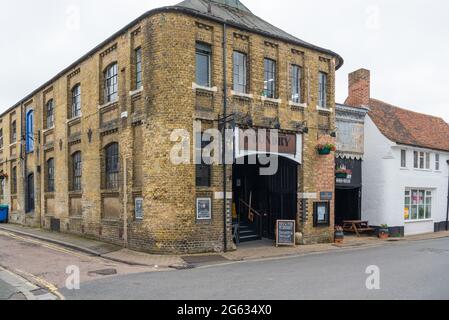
x: 204, y: 260
x: 104, y: 272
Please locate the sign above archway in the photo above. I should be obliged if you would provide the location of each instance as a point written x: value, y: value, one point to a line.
x: 268, y: 141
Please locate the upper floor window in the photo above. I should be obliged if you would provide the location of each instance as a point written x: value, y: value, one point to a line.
x: 13, y: 137
x: 29, y: 137
x: 269, y: 78
x: 203, y: 168
x: 112, y: 166
x: 51, y: 175
x: 50, y: 114
x: 240, y: 72
x: 322, y: 90
x: 111, y: 83
x: 203, y: 64
x: 437, y: 162
x: 296, y: 73
x: 76, y: 171
x: 1, y: 138
x: 76, y: 102
x: 421, y: 160
x: 138, y: 58
x: 403, y: 158
x: 14, y: 180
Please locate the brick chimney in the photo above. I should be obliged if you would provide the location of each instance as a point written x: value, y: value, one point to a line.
x: 359, y: 88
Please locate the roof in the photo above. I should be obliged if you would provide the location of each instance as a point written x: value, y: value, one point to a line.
x: 410, y: 128
x: 231, y: 12
x: 234, y: 13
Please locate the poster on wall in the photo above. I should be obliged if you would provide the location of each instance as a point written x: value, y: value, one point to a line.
x: 203, y: 209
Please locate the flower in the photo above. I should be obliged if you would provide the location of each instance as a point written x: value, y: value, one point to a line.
x: 328, y: 146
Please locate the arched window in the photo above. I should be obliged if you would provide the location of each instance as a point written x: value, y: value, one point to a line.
x: 111, y: 83
x: 112, y: 166
x: 77, y: 168
x: 76, y: 101
x: 50, y: 114
x: 30, y: 131
x: 30, y: 193
x: 51, y: 175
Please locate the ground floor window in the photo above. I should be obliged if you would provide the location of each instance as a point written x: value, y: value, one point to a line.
x: 418, y: 204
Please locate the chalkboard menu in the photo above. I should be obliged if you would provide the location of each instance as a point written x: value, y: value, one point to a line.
x: 285, y: 233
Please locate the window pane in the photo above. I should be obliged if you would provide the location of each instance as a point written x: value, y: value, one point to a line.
x: 203, y: 55
x: 240, y: 69
x: 138, y: 68
x: 111, y: 83
x: 415, y: 161
x: 270, y: 78
x: 296, y: 84
x: 403, y: 158
x: 427, y: 160
x: 322, y: 90
x: 414, y: 214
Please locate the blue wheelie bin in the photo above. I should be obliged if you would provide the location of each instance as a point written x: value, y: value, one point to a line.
x: 4, y: 213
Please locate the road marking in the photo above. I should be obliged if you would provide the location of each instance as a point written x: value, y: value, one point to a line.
x: 21, y: 284
x: 50, y: 287
x: 44, y: 244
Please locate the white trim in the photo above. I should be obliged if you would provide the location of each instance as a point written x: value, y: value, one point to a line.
x: 131, y: 93
x: 296, y: 104
x: 241, y: 94
x: 197, y: 86
x: 278, y: 101
x: 418, y: 221
x: 329, y: 110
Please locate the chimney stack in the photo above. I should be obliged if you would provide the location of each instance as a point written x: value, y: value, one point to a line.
x: 359, y: 88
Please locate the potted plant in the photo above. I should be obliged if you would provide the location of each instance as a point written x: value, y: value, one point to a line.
x: 325, y: 149
x: 339, y: 235
x: 341, y: 173
x: 384, y: 232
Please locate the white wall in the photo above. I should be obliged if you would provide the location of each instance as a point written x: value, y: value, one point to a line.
x: 385, y: 182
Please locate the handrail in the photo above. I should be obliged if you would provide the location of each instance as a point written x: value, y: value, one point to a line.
x: 257, y: 214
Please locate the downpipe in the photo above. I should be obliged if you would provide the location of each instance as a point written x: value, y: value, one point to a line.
x: 225, y: 111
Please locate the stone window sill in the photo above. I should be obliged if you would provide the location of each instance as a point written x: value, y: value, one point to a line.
x: 242, y: 95
x: 297, y: 105
x: 275, y: 101
x: 328, y: 110
x: 74, y: 119
x: 137, y: 91
x: 108, y: 104
x: 76, y: 217
x: 198, y: 87
x: 48, y: 130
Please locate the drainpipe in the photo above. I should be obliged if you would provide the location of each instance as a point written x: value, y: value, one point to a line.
x: 225, y: 111
x: 447, y: 212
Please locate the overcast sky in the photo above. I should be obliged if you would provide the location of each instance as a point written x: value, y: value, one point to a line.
x: 405, y: 44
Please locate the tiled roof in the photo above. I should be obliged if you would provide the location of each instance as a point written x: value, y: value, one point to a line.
x: 410, y: 128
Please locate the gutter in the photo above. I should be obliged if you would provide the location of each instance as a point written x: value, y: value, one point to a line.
x: 168, y: 9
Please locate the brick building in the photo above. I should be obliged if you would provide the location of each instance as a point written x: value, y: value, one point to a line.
x: 92, y: 145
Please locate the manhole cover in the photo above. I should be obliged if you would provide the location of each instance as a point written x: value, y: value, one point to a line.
x: 104, y: 272
x: 204, y: 260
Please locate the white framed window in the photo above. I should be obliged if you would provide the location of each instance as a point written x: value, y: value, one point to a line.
x: 322, y: 90
x: 421, y: 160
x: 403, y: 158
x: 417, y: 204
x: 437, y: 162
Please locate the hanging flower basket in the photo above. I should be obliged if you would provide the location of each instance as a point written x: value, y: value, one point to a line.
x: 325, y: 149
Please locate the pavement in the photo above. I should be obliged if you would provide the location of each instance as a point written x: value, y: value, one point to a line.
x: 246, y: 251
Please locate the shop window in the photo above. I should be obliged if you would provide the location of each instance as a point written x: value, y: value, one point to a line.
x: 417, y: 204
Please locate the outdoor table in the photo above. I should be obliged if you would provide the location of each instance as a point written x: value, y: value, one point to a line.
x: 356, y: 226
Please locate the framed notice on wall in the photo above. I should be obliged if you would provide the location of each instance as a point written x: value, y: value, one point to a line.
x: 321, y: 213
x: 203, y: 209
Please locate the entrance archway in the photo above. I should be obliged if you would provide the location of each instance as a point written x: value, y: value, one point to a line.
x: 261, y: 200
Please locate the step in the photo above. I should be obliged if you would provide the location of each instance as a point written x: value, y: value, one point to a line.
x: 249, y: 238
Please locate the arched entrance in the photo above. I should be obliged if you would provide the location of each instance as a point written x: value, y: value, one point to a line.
x: 261, y: 200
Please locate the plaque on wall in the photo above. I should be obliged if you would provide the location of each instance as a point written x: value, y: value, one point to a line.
x: 203, y: 209
x: 138, y: 208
